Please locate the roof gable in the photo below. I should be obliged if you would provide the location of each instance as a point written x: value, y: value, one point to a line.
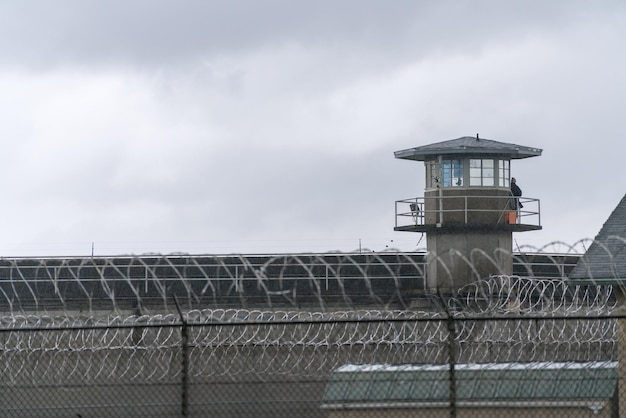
x: 605, y: 260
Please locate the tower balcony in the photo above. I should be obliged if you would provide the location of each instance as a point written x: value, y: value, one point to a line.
x: 480, y: 212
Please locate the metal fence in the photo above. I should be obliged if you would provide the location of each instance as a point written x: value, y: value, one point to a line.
x: 147, y: 284
x: 236, y: 363
x: 504, y: 346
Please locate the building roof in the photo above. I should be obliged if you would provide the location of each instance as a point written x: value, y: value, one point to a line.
x: 492, y: 384
x: 605, y: 260
x: 468, y: 145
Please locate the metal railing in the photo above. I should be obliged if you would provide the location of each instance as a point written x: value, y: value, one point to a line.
x: 421, y: 211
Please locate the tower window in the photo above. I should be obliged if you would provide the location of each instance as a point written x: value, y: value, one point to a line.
x: 503, y: 173
x: 481, y: 172
x: 433, y: 177
x: 473, y: 172
x: 452, y: 173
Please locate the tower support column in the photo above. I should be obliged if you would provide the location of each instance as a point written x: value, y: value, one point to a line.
x: 457, y: 259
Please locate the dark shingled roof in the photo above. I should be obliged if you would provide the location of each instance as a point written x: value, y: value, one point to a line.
x: 468, y: 145
x: 605, y: 260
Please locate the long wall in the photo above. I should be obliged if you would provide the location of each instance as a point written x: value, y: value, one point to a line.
x: 393, y: 280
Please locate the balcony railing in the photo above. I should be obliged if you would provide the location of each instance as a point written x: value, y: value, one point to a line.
x: 420, y: 214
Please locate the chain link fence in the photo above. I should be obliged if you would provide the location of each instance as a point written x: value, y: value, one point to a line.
x: 504, y: 346
x: 269, y: 364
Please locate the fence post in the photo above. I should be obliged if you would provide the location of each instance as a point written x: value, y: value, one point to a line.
x: 184, y: 332
x: 451, y: 353
x: 452, y: 360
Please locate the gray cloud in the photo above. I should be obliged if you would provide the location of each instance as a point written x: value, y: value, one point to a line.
x: 170, y: 33
x: 270, y: 126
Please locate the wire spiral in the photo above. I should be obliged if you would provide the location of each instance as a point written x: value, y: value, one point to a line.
x: 113, y: 320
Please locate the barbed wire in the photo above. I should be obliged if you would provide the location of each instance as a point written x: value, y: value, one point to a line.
x: 237, y: 342
x: 144, y: 284
x: 504, y: 294
x: 113, y: 319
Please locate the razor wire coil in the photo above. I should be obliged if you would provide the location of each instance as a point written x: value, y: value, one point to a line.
x: 113, y: 320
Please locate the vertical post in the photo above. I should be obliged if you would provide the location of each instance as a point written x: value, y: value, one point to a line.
x: 396, y: 217
x: 185, y: 361
x: 538, y: 212
x: 466, y: 203
x: 451, y: 361
x: 439, y: 190
x: 621, y: 357
x: 451, y: 355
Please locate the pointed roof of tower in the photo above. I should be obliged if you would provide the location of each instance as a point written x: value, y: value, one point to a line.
x: 605, y: 260
x: 468, y: 145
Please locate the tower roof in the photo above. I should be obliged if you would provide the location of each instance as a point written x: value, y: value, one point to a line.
x: 468, y: 145
x: 605, y: 260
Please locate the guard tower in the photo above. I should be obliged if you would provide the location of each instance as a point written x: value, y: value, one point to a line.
x: 468, y: 212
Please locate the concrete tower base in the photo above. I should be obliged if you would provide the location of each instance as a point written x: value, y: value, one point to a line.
x: 456, y: 259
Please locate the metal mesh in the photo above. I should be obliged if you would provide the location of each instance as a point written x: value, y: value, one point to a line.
x: 268, y: 335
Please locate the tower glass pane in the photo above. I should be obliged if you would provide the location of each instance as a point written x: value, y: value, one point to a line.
x: 482, y: 172
x: 503, y: 173
x: 475, y: 172
x: 488, y: 173
x: 452, y: 173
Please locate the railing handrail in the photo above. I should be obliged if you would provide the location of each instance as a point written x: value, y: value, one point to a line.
x: 418, y: 212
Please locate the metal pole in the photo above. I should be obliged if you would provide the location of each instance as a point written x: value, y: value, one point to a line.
x: 466, y: 203
x: 440, y: 176
x: 185, y: 360
x: 452, y: 360
x: 539, y: 212
x: 451, y: 355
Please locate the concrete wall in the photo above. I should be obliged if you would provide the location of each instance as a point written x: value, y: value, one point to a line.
x: 484, y: 205
x: 456, y: 259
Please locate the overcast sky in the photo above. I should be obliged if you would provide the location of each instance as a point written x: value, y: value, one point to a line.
x: 270, y: 126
